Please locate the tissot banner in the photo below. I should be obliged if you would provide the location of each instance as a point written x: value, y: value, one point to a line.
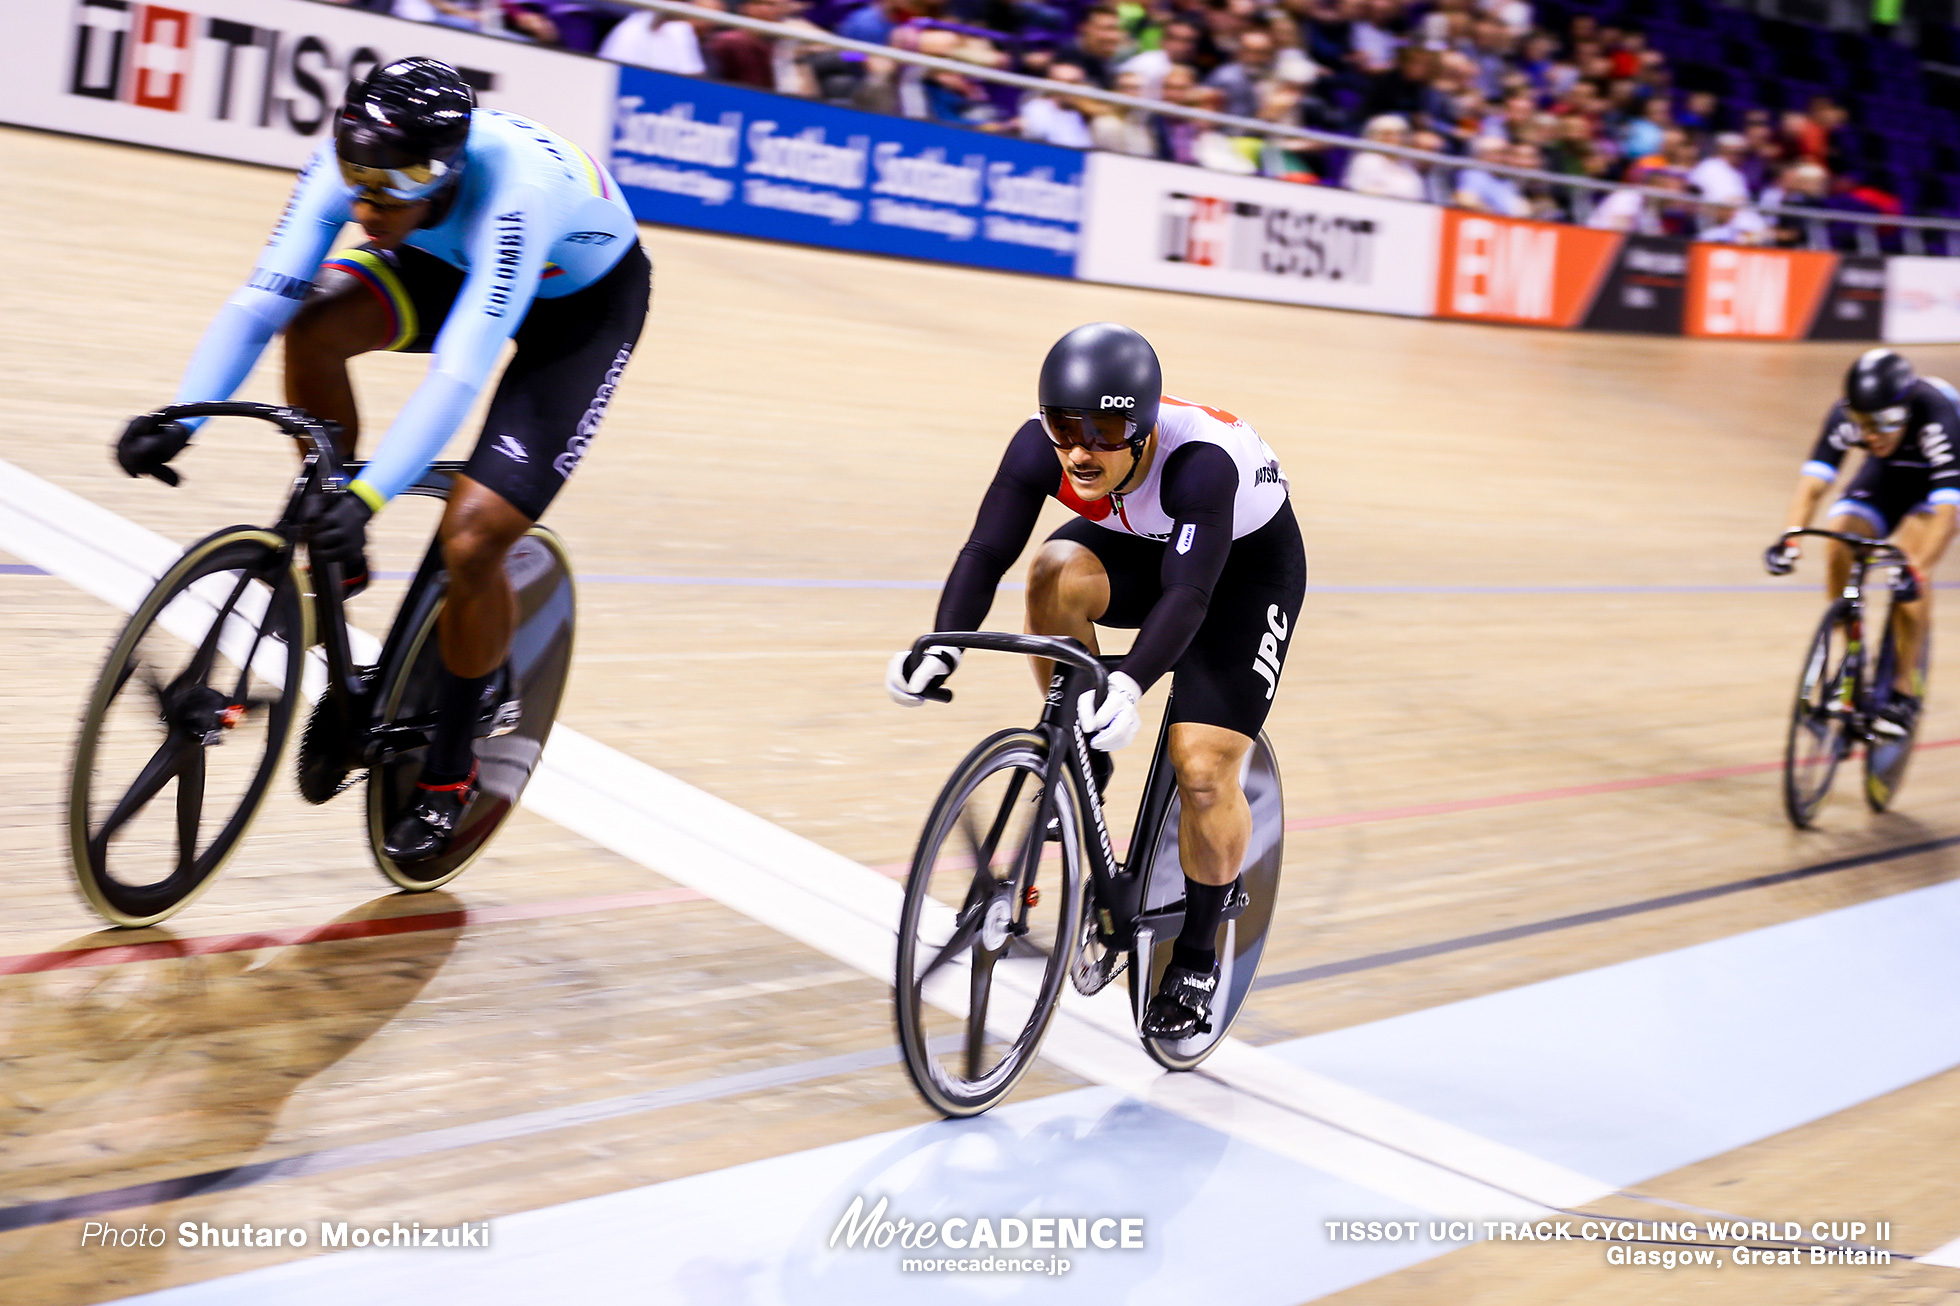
x: 1172, y: 227
x: 726, y: 158
x: 257, y: 80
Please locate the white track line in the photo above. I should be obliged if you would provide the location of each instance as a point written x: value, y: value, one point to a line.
x: 841, y: 908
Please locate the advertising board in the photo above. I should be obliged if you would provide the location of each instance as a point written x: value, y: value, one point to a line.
x: 1171, y: 227
x: 1757, y: 294
x: 726, y: 158
x: 1922, y: 300
x: 257, y: 80
x: 1645, y: 290
x: 1493, y: 269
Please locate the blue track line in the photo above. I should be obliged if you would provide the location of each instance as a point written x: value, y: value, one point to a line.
x: 873, y: 583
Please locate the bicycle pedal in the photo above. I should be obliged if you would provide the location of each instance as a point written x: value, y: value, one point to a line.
x: 505, y: 719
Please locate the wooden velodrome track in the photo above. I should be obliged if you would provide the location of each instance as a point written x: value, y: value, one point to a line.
x: 1499, y: 716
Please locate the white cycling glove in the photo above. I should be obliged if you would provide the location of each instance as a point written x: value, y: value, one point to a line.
x: 1115, y: 723
x: 909, y: 688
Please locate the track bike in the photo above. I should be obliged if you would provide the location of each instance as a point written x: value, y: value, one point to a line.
x: 190, y: 716
x: 1843, y: 688
x: 1015, y: 890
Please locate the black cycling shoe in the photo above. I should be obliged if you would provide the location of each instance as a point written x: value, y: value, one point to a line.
x: 1182, y: 1006
x: 1101, y: 766
x: 1898, y: 717
x: 424, y: 831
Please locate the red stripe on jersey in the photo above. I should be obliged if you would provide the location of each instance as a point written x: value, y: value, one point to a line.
x: 1074, y: 502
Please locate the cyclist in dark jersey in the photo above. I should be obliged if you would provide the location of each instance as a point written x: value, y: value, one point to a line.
x: 483, y: 227
x: 1184, y: 533
x: 1907, y: 491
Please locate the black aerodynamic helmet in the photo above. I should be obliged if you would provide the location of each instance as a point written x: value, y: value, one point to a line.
x: 402, y: 131
x: 1100, y: 386
x: 1877, y: 383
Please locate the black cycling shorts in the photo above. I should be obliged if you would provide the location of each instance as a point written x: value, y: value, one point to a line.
x: 1230, y: 670
x: 1882, y: 496
x: 554, y: 392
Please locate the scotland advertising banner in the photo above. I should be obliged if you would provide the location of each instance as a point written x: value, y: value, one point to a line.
x: 726, y: 158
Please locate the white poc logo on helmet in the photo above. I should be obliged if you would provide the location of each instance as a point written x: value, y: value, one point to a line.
x: 1118, y: 401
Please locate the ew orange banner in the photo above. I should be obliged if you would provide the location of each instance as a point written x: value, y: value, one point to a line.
x: 1507, y: 270
x: 1756, y: 294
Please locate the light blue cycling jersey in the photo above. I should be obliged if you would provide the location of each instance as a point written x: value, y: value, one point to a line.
x: 533, y: 217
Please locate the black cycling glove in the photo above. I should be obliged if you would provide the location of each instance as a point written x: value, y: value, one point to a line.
x: 147, y: 446
x: 340, y: 533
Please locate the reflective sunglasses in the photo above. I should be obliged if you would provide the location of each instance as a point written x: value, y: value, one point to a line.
x: 402, y: 185
x: 1099, y: 432
x: 1885, y: 420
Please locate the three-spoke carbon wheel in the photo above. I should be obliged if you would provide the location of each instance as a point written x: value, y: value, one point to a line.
x: 184, y: 731
x: 990, y: 926
x: 1822, y: 717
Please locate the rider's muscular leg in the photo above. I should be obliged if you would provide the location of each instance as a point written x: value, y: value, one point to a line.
x: 340, y: 319
x: 1067, y: 590
x: 1215, y: 822
x: 478, y: 615
x: 1837, y: 557
x: 480, y: 612
x: 1922, y: 544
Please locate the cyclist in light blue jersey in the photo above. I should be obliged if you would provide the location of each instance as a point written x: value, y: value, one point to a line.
x: 481, y: 227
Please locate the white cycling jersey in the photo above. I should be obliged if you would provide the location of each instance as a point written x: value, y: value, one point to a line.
x: 1139, y: 510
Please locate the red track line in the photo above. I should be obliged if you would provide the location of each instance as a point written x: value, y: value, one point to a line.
x: 1534, y: 796
x: 1548, y: 795
x: 116, y: 954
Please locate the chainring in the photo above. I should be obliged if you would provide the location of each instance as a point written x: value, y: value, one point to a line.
x: 1096, y: 963
x: 323, y: 770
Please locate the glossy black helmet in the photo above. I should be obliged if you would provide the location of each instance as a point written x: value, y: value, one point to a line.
x: 402, y: 131
x: 1100, y: 386
x: 1878, y: 382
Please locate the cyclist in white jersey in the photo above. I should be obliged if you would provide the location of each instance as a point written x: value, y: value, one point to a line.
x: 1183, y: 531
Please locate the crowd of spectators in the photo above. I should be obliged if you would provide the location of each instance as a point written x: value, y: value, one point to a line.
x: 1479, y: 80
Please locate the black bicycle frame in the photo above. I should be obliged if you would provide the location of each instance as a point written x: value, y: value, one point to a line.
x: 1117, y: 884
x: 1865, y: 554
x: 321, y: 473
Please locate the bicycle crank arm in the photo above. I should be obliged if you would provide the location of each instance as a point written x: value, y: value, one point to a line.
x: 386, y: 743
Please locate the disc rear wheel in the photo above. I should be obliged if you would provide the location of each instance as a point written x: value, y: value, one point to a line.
x: 1886, y: 758
x: 990, y: 926
x: 510, y: 734
x: 1241, y: 938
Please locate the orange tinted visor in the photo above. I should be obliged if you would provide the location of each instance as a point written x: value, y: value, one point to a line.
x: 1102, y: 432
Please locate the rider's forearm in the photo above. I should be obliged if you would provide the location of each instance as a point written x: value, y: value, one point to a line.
x: 1168, y: 631
x: 970, y: 587
x: 1001, y: 528
x: 1940, y: 536
x: 424, y: 425
x: 230, y: 348
x: 1803, y: 504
